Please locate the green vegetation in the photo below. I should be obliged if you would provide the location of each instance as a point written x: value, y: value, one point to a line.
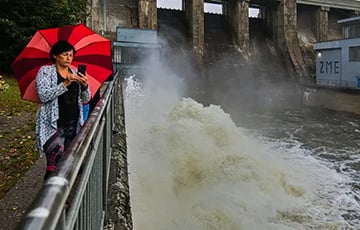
x: 20, y: 19
x: 17, y: 134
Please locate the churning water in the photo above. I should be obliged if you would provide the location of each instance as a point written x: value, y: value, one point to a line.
x: 191, y: 167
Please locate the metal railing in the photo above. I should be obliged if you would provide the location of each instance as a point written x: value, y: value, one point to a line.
x: 81, y: 177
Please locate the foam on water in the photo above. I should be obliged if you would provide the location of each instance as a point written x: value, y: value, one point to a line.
x: 192, y: 168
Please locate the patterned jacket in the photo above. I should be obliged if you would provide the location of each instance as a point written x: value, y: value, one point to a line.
x: 48, y: 90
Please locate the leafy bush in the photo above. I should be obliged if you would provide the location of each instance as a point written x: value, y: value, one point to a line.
x: 20, y: 19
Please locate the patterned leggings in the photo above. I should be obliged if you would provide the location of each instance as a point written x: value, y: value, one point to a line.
x: 56, y: 145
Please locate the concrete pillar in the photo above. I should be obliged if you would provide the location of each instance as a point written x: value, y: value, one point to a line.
x: 106, y: 15
x: 320, y: 26
x: 237, y: 14
x: 225, y: 9
x: 290, y: 19
x: 270, y: 19
x: 147, y: 14
x: 95, y: 19
x: 194, y: 12
x: 287, y: 37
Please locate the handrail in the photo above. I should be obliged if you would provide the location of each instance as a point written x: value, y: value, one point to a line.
x: 91, y: 149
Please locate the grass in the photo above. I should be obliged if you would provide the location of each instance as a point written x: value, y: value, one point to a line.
x: 17, y: 134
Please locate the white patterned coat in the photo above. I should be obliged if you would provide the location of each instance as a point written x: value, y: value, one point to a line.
x: 49, y: 90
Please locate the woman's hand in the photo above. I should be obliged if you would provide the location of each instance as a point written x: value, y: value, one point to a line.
x: 79, y: 78
x: 82, y: 79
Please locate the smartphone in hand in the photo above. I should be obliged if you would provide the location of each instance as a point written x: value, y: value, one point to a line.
x: 82, y: 69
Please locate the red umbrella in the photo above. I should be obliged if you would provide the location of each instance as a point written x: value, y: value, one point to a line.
x: 91, y: 49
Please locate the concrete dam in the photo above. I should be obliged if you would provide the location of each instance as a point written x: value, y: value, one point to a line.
x: 228, y: 130
x: 280, y: 38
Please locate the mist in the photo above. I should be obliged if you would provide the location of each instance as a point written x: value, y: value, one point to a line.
x: 192, y: 167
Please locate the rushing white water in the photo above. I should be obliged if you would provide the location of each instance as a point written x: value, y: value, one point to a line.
x: 192, y: 168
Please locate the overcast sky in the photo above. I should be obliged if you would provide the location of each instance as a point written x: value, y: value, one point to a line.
x: 208, y: 7
x: 174, y: 4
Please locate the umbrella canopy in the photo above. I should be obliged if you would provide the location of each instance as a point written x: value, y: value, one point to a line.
x: 92, y: 50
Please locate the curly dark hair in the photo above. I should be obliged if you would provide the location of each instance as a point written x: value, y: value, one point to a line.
x: 60, y: 47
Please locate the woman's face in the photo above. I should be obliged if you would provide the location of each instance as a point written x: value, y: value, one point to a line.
x: 64, y: 59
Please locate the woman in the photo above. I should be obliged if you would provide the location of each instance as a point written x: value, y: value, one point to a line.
x: 62, y: 93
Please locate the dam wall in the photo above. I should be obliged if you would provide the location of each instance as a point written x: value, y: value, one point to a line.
x: 289, y: 26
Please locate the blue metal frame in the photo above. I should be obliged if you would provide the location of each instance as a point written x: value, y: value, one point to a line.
x: 138, y: 41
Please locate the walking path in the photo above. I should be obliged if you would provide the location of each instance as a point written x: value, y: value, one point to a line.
x: 16, y: 202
